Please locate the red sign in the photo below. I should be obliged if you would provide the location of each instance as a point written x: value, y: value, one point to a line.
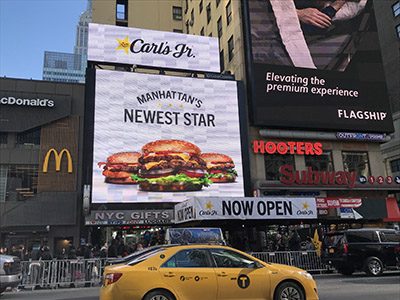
x: 300, y: 148
x: 311, y: 177
x: 324, y: 203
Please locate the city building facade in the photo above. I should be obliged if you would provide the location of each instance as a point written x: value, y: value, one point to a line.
x: 344, y: 151
x: 40, y: 164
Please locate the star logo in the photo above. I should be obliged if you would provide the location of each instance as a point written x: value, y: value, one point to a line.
x: 209, y: 205
x: 124, y: 45
x: 305, y: 205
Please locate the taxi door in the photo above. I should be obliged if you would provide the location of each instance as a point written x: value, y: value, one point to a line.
x: 239, y: 277
x: 190, y: 275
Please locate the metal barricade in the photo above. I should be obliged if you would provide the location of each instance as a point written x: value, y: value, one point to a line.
x: 306, y: 260
x: 61, y: 273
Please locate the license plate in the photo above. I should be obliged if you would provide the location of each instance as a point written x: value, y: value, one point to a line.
x: 331, y: 250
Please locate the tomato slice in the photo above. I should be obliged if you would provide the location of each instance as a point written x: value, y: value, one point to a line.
x: 194, y: 173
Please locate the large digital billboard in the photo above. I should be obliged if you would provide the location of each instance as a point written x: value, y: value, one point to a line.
x: 160, y: 138
x: 316, y: 65
x: 143, y: 47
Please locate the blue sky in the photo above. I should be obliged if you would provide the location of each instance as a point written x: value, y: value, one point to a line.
x: 29, y: 27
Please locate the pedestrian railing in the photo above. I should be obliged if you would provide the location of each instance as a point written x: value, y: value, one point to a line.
x: 62, y: 273
x: 306, y: 260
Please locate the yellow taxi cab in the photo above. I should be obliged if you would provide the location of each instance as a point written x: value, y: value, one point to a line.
x: 204, y: 272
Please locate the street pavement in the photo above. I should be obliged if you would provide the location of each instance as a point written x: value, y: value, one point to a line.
x: 331, y: 287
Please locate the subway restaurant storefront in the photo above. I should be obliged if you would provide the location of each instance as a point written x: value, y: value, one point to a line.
x: 40, y: 157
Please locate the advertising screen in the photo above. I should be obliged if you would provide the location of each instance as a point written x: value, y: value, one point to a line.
x: 159, y: 138
x: 316, y: 64
x: 143, y: 47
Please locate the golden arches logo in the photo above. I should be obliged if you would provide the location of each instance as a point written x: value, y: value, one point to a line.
x: 57, y: 157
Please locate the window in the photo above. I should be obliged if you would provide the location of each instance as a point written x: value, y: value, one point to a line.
x: 395, y: 166
x: 228, y: 10
x: 191, y: 258
x: 273, y: 162
x: 21, y: 181
x: 218, y: 2
x: 210, y: 35
x: 178, y: 30
x: 29, y: 137
x: 201, y: 6
x: 230, y: 259
x: 221, y: 59
x: 230, y: 48
x: 208, y: 13
x: 202, y: 31
x: 396, y: 9
x: 219, y: 27
x: 362, y: 237
x: 192, y: 17
x: 390, y: 237
x: 177, y: 13
x: 356, y: 162
x: 398, y: 31
x: 3, y: 138
x: 122, y: 10
x: 321, y: 162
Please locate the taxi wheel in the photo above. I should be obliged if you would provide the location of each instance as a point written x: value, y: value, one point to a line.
x: 289, y: 291
x: 159, y: 295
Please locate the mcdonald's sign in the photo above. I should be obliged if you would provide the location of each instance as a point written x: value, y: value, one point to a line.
x: 58, y: 157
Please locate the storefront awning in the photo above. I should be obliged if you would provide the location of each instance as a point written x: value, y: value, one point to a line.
x: 393, y: 211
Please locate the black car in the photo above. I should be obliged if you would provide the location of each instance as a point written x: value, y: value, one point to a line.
x: 370, y: 250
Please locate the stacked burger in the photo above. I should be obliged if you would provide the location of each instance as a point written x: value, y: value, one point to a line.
x: 172, y: 165
x: 120, y: 167
x: 169, y: 166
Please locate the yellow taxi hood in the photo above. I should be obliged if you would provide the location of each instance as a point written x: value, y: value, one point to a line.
x: 279, y: 267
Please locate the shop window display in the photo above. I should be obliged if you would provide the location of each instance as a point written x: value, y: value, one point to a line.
x: 356, y: 162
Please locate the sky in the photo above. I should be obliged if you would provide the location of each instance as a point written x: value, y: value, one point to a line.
x: 30, y: 27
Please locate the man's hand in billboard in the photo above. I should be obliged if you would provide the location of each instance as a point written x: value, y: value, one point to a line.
x: 313, y: 16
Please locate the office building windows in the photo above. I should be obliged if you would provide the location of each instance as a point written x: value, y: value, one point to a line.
x: 218, y: 2
x: 219, y: 27
x: 21, y: 181
x: 356, y: 162
x: 122, y: 12
x: 187, y: 26
x: 396, y: 9
x: 192, y: 17
x: 177, y: 13
x: 398, y: 31
x: 228, y: 9
x: 202, y: 31
x: 321, y: 162
x: 208, y: 9
x: 201, y: 6
x: 29, y: 138
x: 230, y: 48
x: 273, y: 162
x: 395, y: 166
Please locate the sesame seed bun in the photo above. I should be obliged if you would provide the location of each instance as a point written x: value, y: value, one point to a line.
x: 216, y: 158
x: 171, y: 146
x: 124, y: 158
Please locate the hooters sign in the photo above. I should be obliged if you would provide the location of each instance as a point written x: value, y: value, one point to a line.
x: 58, y: 156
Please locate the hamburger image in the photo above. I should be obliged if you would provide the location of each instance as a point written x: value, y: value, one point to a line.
x: 120, y: 167
x: 220, y: 167
x: 171, y: 166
